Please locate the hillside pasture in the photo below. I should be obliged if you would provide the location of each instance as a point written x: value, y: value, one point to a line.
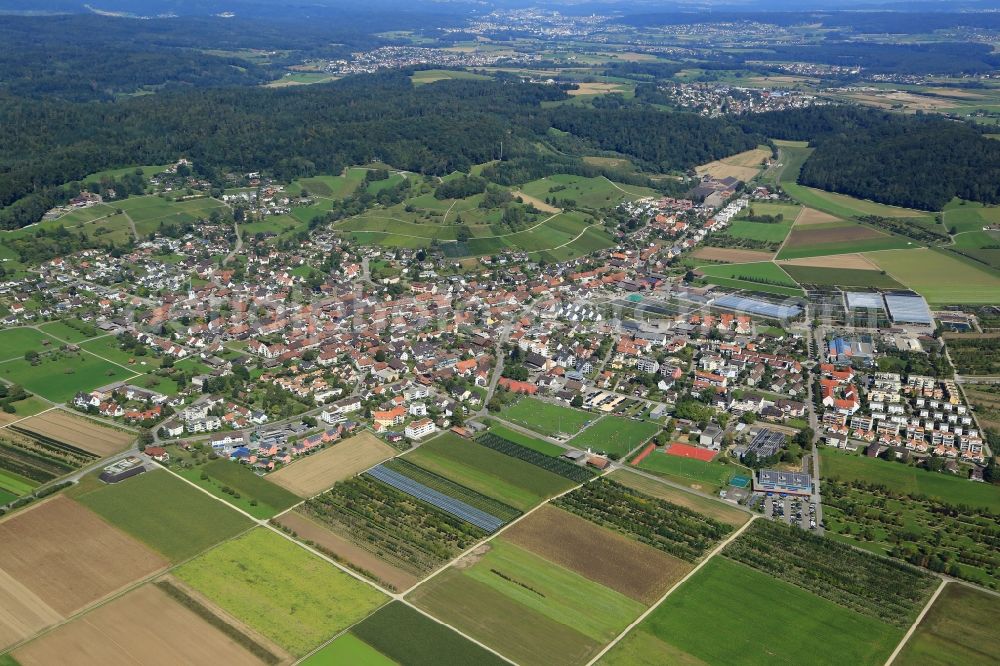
x: 317, y: 472
x: 743, y: 166
x: 280, y: 590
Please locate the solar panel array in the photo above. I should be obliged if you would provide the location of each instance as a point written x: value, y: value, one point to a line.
x: 909, y: 309
x: 758, y: 307
x: 457, y: 508
x: 865, y: 299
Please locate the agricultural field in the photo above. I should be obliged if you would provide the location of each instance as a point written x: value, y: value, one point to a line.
x: 329, y: 187
x: 966, y: 216
x: 78, y: 431
x: 280, y: 590
x: 165, y: 513
x: 696, y: 474
x: 389, y: 526
x: 57, y: 557
x: 939, y: 277
x: 840, y: 277
x: 636, y: 570
x: 149, y: 212
x: 525, y: 607
x: 136, y: 639
x: 907, y: 479
x: 614, y: 435
x: 586, y: 192
x: 710, y: 619
x: 15, y: 342
x: 841, y: 237
x: 546, y: 418
x: 316, y: 473
x: 974, y: 353
x: 764, y: 276
x: 554, y: 464
x: 670, y: 528
x: 527, y: 441
x: 707, y: 507
x: 731, y: 255
x: 38, y: 459
x: 426, y: 76
x: 956, y: 630
x: 744, y: 166
x: 238, y: 485
x: 515, y: 482
x: 58, y: 376
x: 397, y: 633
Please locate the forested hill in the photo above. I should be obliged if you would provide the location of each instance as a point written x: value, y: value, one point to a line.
x: 912, y: 161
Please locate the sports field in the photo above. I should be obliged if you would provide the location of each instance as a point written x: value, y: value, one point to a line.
x: 729, y: 613
x: 939, y: 277
x: 958, y: 629
x: 697, y: 474
x: 908, y: 479
x: 546, y: 418
x: 317, y: 472
x: 165, y: 513
x: 707, y: 507
x: 510, y: 480
x: 281, y: 590
x: 14, y: 342
x: 524, y: 440
x: 59, y: 377
x: 614, y: 435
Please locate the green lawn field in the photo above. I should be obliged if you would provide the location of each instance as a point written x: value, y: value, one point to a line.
x: 939, y: 277
x: 59, y: 377
x: 348, y: 649
x: 402, y: 633
x: 957, y: 631
x: 108, y: 347
x: 524, y: 440
x: 16, y: 484
x: 908, y: 479
x: 586, y: 192
x: 14, y: 342
x: 546, y: 418
x: 270, y: 498
x: 615, y: 435
x: 729, y: 613
x: 762, y: 231
x: 166, y: 513
x: 75, y: 333
x: 969, y: 215
x: 698, y: 474
x: 280, y: 589
x: 510, y: 480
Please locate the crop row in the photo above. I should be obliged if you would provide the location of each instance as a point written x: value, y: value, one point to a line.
x: 504, y: 512
x: 56, y: 447
x: 876, y: 586
x: 674, y: 529
x: 563, y: 468
x: 391, y: 524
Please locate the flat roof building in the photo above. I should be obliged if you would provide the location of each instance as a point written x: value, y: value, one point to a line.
x: 777, y: 481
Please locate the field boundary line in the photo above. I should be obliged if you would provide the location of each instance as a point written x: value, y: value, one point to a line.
x: 916, y: 623
x: 718, y: 549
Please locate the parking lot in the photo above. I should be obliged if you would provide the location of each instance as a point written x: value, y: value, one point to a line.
x: 791, y: 510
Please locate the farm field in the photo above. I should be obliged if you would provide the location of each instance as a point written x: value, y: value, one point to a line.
x: 731, y: 255
x: 546, y: 418
x: 148, y: 212
x: 346, y: 551
x: 614, y: 435
x: 586, y: 192
x: 967, y: 216
x: 703, y: 505
x: 939, y: 277
x: 78, y: 431
x: 841, y: 237
x: 59, y: 377
x: 329, y: 186
x: 165, y: 513
x: 317, y: 472
x: 57, y: 557
x: 16, y: 341
x: 907, y: 479
x: 764, y: 276
x: 405, y: 635
x: 955, y: 630
x: 121, y: 632
x: 425, y: 76
x: 840, y: 277
x: 696, y: 474
x: 600, y: 555
x: 347, y: 649
x: 524, y: 440
x: 515, y: 482
x: 743, y: 166
x: 715, y: 603
x: 257, y: 496
x: 279, y: 589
